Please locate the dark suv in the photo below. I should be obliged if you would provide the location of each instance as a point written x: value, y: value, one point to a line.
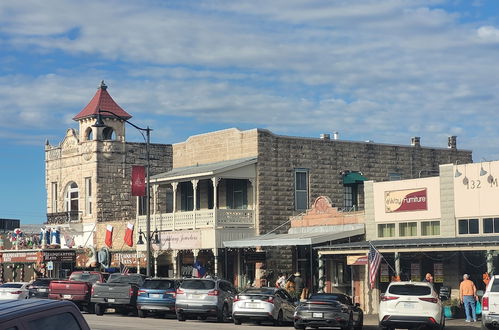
x: 40, y: 288
x: 205, y: 297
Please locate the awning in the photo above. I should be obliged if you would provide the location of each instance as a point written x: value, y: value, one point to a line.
x: 293, y: 239
x: 416, y: 245
x: 353, y: 177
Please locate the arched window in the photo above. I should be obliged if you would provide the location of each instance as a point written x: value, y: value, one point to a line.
x: 89, y: 134
x: 71, y: 198
x: 108, y: 134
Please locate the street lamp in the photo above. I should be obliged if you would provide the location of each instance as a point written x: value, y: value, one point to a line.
x: 100, y: 123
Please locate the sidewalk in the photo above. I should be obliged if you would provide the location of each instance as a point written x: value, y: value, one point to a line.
x: 372, y: 319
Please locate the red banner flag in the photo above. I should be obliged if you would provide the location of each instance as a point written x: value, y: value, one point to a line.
x: 138, y: 181
x: 129, y: 234
x: 109, y: 236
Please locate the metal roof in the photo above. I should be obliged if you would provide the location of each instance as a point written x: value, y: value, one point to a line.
x: 204, y: 169
x: 309, y: 238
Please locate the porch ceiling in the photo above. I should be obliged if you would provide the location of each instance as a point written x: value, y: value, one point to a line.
x: 413, y: 245
x: 203, y: 170
x: 292, y: 239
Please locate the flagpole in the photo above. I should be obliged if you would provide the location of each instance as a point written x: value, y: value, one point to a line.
x: 371, y: 244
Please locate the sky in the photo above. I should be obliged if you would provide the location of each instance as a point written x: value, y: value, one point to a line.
x: 380, y: 70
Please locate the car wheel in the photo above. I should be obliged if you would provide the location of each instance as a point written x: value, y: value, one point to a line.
x: 224, y: 315
x: 299, y: 326
x: 142, y: 313
x: 349, y: 326
x: 180, y: 317
x: 360, y: 323
x: 90, y: 308
x: 237, y: 321
x: 99, y: 309
x: 280, y: 319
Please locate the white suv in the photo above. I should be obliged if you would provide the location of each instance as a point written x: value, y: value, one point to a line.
x: 410, y: 304
x: 490, y: 304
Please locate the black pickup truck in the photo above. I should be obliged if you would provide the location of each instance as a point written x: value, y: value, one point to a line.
x: 119, y: 292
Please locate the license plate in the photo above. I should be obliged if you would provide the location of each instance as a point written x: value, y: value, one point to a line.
x: 251, y: 305
x: 111, y: 300
x: 67, y: 296
x: 155, y: 295
x: 317, y: 315
x: 409, y: 305
x: 42, y: 290
x: 195, y: 296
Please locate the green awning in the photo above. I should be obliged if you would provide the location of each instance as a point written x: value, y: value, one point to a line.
x: 353, y: 178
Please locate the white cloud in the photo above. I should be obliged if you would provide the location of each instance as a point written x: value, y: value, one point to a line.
x: 488, y: 33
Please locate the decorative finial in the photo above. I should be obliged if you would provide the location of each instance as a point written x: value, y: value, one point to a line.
x: 47, y: 142
x: 103, y: 86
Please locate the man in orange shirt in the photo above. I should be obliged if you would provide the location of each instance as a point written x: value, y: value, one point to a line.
x: 467, y: 294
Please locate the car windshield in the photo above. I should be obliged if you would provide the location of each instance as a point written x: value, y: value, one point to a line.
x: 120, y: 278
x: 495, y: 286
x: 41, y: 282
x: 158, y: 284
x: 85, y: 277
x: 198, y: 284
x: 409, y: 290
x: 11, y: 285
x: 330, y: 297
x: 266, y: 291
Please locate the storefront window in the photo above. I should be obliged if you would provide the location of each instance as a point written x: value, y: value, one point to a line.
x: 468, y: 226
x: 386, y: 230
x: 408, y: 229
x: 430, y: 228
x: 490, y: 225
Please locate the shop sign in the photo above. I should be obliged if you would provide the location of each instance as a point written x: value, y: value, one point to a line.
x: 128, y: 258
x: 251, y: 257
x: 61, y: 256
x: 180, y: 240
x: 356, y: 260
x: 406, y: 200
x: 384, y: 273
x: 20, y: 257
x: 438, y: 272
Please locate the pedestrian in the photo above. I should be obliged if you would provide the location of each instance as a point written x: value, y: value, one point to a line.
x: 281, y: 281
x: 299, y: 285
x: 290, y: 285
x: 428, y: 278
x: 467, y: 295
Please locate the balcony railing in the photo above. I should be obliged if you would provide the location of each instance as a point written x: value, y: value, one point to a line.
x: 61, y: 218
x: 218, y: 218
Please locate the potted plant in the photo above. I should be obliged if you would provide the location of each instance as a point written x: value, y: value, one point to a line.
x: 451, y: 308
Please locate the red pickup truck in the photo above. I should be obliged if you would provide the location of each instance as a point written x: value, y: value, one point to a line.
x: 77, y: 288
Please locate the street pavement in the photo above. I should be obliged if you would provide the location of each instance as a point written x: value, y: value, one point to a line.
x: 112, y: 321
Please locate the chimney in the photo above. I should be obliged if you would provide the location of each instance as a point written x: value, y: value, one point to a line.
x: 452, y: 143
x: 416, y: 141
x: 325, y: 136
x: 336, y: 135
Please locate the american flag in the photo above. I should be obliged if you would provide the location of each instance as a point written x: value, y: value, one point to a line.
x: 374, y: 260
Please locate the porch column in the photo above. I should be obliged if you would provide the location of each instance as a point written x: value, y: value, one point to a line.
x: 215, y: 182
x: 397, y: 264
x: 175, y: 263
x: 194, y: 207
x: 253, y: 191
x: 321, y: 286
x: 155, y: 203
x: 174, y: 187
x: 490, y: 262
x: 215, y: 261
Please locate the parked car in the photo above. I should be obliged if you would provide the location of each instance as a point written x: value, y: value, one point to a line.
x: 205, y: 297
x: 77, y: 288
x: 329, y: 310
x: 490, y: 304
x: 263, y: 304
x: 14, y: 290
x: 36, y: 314
x: 157, y: 295
x: 39, y: 288
x: 410, y: 304
x: 119, y: 292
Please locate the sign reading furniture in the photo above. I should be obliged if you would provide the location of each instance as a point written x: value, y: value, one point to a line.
x: 406, y: 200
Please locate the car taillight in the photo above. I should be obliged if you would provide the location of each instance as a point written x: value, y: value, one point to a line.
x: 130, y: 293
x: 432, y: 300
x: 141, y: 291
x: 174, y: 294
x: 92, y: 293
x: 179, y: 291
x: 213, y: 293
x: 387, y: 298
x: 485, y: 303
x: 236, y: 298
x: 16, y: 292
x: 269, y: 299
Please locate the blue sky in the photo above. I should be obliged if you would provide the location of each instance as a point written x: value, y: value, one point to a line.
x: 369, y: 69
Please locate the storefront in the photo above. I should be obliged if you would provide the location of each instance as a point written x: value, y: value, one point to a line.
x: 130, y: 259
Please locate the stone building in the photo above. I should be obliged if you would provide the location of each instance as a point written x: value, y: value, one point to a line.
x: 88, y: 175
x: 231, y: 184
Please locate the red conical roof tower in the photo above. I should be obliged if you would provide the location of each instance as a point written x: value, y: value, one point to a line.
x: 103, y: 101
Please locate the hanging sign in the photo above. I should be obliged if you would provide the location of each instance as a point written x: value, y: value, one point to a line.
x: 356, y: 260
x: 384, y: 273
x: 138, y: 181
